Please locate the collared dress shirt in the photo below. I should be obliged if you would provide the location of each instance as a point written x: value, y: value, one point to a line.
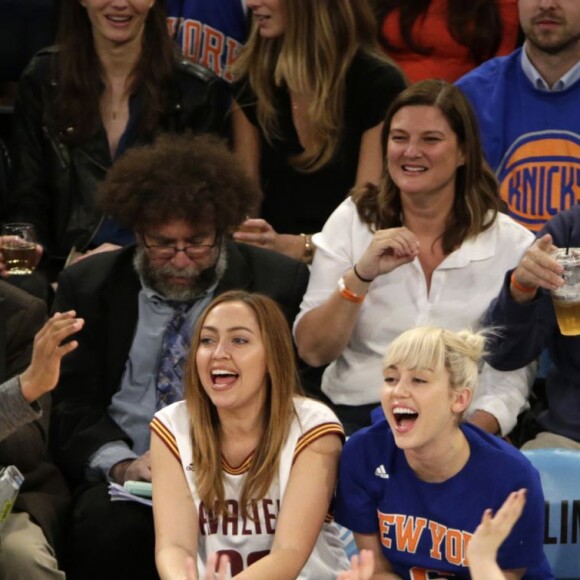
x: 133, y: 406
x: 565, y: 81
x: 462, y: 287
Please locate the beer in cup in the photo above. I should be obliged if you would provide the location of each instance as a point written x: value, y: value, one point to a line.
x: 18, y: 247
x: 567, y: 298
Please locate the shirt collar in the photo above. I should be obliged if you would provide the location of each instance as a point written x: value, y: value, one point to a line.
x: 538, y: 81
x: 483, y: 246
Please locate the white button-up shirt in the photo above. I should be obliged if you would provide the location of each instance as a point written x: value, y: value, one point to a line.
x: 462, y: 287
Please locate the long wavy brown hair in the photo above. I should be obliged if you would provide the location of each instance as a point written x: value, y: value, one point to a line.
x: 476, y: 201
x: 79, y: 77
x: 312, y: 57
x: 278, y: 412
x: 475, y: 24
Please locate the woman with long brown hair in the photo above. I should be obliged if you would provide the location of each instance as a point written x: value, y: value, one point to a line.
x: 426, y: 246
x: 311, y: 93
x: 246, y: 465
x: 113, y: 81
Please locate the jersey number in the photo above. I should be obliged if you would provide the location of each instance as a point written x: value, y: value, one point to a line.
x: 237, y: 560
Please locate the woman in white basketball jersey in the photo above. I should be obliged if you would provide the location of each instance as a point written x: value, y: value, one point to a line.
x: 246, y: 466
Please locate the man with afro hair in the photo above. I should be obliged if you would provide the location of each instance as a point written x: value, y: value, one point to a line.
x: 182, y: 196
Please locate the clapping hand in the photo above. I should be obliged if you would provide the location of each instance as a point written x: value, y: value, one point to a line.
x: 493, y: 530
x: 216, y: 568
x: 361, y: 567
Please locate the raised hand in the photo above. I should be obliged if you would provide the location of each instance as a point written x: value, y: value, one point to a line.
x: 493, y: 530
x: 43, y: 372
x: 537, y: 269
x: 388, y: 250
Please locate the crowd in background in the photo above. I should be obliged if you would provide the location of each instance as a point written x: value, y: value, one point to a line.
x: 267, y: 227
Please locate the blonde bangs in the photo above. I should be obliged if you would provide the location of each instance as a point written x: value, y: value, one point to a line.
x: 418, y: 348
x: 437, y: 349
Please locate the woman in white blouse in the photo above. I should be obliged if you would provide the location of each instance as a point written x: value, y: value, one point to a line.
x: 428, y: 246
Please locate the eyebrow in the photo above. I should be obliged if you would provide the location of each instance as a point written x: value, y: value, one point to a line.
x: 229, y: 329
x: 428, y: 132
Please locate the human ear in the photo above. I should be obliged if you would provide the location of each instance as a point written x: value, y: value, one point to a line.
x: 461, y: 400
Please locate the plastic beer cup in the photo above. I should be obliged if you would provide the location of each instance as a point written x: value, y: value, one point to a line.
x: 567, y: 298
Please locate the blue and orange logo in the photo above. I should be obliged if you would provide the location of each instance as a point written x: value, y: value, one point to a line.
x: 539, y: 176
x: 206, y: 45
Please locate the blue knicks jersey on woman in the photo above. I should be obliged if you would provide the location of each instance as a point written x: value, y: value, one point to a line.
x: 424, y: 528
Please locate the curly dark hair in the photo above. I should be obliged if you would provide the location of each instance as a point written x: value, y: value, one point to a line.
x: 186, y: 177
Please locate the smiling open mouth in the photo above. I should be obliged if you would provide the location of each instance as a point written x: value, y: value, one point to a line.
x: 223, y: 378
x: 404, y: 418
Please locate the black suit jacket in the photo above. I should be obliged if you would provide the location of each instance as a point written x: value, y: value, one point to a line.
x: 103, y: 289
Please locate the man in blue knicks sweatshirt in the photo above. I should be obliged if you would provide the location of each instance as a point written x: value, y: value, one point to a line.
x: 527, y: 108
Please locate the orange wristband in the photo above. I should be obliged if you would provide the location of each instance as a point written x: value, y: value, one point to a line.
x: 349, y: 294
x: 520, y: 287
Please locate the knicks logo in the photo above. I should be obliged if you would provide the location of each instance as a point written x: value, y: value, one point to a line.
x: 539, y: 176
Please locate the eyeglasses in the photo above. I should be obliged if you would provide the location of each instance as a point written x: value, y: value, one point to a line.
x: 167, y: 252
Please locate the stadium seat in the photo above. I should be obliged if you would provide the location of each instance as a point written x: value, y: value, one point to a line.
x: 560, y: 474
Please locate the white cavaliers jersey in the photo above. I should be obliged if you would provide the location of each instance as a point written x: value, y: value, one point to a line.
x: 246, y: 540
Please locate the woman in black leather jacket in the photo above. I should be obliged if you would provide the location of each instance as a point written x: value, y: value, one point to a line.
x: 113, y: 81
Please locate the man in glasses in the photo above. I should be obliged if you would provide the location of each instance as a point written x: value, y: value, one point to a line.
x: 182, y: 196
